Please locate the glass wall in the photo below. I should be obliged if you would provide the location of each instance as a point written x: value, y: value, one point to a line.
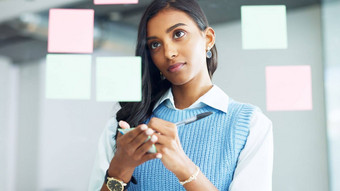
x: 59, y: 86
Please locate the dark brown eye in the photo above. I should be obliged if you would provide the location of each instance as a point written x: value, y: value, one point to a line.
x: 154, y: 45
x: 179, y: 34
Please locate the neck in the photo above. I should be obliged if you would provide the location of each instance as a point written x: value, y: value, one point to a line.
x: 186, y: 94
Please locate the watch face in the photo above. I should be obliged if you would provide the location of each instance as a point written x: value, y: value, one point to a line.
x: 114, y: 185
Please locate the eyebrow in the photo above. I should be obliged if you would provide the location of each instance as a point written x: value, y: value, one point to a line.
x: 174, y: 26
x: 168, y: 30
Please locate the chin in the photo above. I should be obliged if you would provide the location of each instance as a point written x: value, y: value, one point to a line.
x: 179, y: 82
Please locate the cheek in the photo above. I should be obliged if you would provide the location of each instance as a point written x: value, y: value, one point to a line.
x: 198, y: 53
x: 157, y: 60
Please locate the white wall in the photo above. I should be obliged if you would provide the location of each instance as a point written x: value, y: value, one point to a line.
x: 4, y: 97
x: 28, y: 127
x: 8, y: 122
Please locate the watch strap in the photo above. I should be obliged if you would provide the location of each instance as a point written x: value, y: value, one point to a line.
x: 107, y: 176
x: 126, y: 186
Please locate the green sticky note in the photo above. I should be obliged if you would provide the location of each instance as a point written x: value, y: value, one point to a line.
x: 118, y: 79
x: 264, y: 27
x: 68, y: 76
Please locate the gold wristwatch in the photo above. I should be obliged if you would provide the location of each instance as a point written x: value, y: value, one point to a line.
x: 114, y: 184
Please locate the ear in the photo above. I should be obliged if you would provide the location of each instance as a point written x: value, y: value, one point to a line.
x: 210, y: 38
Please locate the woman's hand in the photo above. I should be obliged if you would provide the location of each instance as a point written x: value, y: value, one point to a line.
x: 168, y: 144
x: 131, y: 151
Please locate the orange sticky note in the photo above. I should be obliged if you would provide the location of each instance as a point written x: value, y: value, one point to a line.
x: 289, y: 88
x: 103, y: 2
x: 70, y: 31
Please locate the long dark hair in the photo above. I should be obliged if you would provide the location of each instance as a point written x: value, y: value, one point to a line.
x: 153, y: 86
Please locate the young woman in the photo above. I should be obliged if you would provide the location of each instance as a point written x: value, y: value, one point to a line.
x: 232, y: 149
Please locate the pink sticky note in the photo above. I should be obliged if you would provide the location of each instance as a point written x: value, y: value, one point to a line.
x: 103, y: 2
x: 289, y: 88
x: 70, y: 31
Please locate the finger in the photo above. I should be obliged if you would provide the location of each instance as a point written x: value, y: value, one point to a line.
x: 161, y: 149
x: 162, y: 126
x: 131, y: 135
x: 144, y: 148
x: 151, y: 156
x: 140, y: 139
x: 123, y: 124
x: 162, y: 139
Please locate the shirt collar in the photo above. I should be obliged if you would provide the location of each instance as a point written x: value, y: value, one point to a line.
x: 215, y: 98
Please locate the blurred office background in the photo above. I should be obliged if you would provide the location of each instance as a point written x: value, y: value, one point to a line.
x: 50, y: 144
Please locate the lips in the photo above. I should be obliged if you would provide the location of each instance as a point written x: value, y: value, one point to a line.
x: 176, y: 67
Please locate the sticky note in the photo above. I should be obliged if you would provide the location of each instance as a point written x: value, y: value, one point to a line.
x: 289, y: 88
x: 103, y: 2
x: 264, y: 27
x: 118, y: 79
x: 70, y: 31
x: 68, y: 76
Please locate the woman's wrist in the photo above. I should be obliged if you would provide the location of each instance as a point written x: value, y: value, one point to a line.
x: 186, y: 172
x: 191, y: 178
x: 119, y: 172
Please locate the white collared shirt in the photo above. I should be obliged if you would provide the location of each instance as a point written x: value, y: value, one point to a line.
x: 255, y: 164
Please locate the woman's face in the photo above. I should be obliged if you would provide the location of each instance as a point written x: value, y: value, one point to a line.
x: 177, y: 46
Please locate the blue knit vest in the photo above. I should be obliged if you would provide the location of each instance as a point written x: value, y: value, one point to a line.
x: 213, y: 143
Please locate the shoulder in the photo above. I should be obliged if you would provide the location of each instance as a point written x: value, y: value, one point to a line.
x: 241, y: 105
x: 241, y: 110
x: 260, y: 124
x: 251, y: 125
x: 254, y: 116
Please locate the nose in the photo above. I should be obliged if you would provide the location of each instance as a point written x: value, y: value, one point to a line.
x: 170, y: 51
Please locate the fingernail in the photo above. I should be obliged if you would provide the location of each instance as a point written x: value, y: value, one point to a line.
x: 149, y: 132
x: 120, y: 123
x: 143, y: 127
x: 159, y: 155
x: 154, y: 138
x: 124, y: 124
